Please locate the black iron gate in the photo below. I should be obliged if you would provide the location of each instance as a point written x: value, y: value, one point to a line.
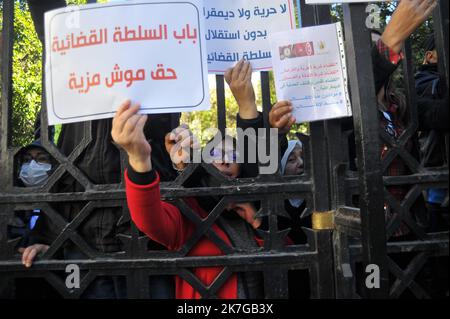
x: 342, y: 236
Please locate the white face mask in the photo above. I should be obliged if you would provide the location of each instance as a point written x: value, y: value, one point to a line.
x: 34, y: 173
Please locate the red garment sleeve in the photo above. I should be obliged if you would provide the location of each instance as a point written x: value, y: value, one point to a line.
x: 388, y: 53
x: 160, y: 221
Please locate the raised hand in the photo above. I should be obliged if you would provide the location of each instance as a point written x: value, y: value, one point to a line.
x: 409, y: 15
x: 247, y: 212
x: 128, y: 132
x: 29, y: 253
x: 239, y: 78
x: 180, y: 142
x: 280, y: 116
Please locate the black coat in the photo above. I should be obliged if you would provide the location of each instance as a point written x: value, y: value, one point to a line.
x: 433, y: 115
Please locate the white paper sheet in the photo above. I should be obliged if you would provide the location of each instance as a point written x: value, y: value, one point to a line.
x: 310, y: 71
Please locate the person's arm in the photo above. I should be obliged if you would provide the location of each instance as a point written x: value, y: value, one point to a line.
x: 387, y: 53
x: 29, y: 253
x: 159, y: 220
x: 408, y: 16
x: 181, y: 144
x: 384, y: 62
x: 281, y: 118
x: 41, y: 237
x: 239, y: 78
x: 248, y: 168
x: 44, y: 231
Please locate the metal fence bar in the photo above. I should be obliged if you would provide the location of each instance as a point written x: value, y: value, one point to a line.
x: 6, y: 97
x: 367, y: 143
x: 6, y: 282
x: 221, y: 104
x: 441, y: 32
x: 323, y: 284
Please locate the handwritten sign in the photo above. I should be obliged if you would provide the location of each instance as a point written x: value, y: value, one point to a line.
x: 310, y: 71
x: 341, y: 1
x: 239, y: 29
x: 151, y: 52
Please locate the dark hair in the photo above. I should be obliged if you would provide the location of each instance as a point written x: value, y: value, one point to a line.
x: 34, y: 145
x: 395, y: 96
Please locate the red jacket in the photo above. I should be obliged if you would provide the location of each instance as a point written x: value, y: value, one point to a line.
x: 165, y: 224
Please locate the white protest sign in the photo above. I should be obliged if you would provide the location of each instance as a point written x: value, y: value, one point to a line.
x: 341, y: 1
x: 152, y: 52
x: 310, y: 71
x: 239, y: 29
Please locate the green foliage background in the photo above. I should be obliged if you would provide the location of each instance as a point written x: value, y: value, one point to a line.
x: 27, y: 85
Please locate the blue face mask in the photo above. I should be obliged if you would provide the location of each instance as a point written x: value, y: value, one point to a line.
x: 34, y: 173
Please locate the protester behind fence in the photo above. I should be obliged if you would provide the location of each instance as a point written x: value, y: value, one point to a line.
x: 393, y: 108
x: 100, y: 163
x: 164, y: 222
x: 392, y: 104
x: 248, y: 117
x: 291, y: 160
x: 392, y: 114
x: 433, y: 113
x: 248, y: 120
x: 33, y: 168
x: 291, y: 164
x: 292, y: 152
x: 432, y: 95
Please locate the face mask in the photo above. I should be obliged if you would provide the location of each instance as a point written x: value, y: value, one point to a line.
x: 34, y: 173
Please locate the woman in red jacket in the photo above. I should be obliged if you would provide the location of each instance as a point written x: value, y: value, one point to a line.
x: 163, y: 222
